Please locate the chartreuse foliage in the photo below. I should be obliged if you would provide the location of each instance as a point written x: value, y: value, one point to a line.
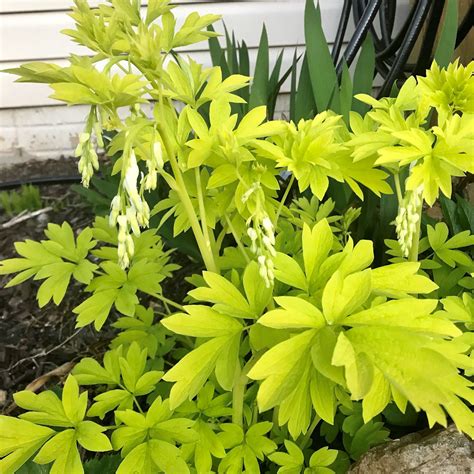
x: 293, y: 337
x: 424, y: 137
x: 399, y: 133
x: 63, y: 258
x: 293, y: 460
x: 446, y: 259
x: 21, y: 438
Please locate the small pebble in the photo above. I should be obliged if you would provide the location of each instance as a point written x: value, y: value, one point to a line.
x: 3, y: 397
x: 43, y: 219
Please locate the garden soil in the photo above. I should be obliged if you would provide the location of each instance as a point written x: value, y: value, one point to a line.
x: 39, y: 347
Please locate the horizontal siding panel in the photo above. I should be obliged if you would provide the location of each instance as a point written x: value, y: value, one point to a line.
x: 36, y: 37
x: 284, y: 24
x: 22, y: 94
x: 16, y: 6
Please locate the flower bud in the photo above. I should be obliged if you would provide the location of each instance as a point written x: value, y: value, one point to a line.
x: 130, y: 245
x: 84, y: 137
x: 267, y: 225
x: 115, y: 207
x: 252, y: 234
x: 158, y: 155
x: 98, y: 134
x: 132, y: 220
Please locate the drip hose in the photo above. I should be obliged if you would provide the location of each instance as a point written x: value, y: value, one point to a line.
x: 426, y: 51
x: 341, y: 30
x: 414, y: 29
x: 361, y: 30
x: 48, y: 180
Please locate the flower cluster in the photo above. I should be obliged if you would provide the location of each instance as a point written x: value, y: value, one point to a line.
x: 260, y: 229
x: 308, y: 150
x: 407, y: 219
x: 154, y: 164
x: 449, y: 90
x: 89, y: 160
x: 262, y: 238
x: 129, y: 210
x: 86, y: 149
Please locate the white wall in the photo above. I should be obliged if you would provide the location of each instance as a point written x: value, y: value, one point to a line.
x: 33, y: 126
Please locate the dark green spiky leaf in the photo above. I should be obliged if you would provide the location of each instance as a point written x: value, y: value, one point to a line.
x: 364, y: 74
x: 345, y: 93
x: 447, y: 39
x: 320, y: 65
x: 260, y: 84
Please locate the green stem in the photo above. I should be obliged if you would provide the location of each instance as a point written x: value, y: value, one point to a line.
x: 170, y: 181
x: 137, y: 404
x: 415, y: 245
x: 168, y: 301
x: 220, y: 238
x: 208, y: 237
x: 310, y: 431
x: 398, y: 188
x: 236, y: 238
x: 238, y: 391
x: 133, y: 397
x: 283, y: 199
x: 206, y: 252
x: 238, y: 394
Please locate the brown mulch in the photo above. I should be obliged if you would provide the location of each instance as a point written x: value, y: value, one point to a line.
x: 35, y: 341
x: 38, y: 347
x: 39, y: 169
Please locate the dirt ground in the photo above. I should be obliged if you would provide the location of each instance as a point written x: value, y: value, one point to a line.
x: 34, y: 341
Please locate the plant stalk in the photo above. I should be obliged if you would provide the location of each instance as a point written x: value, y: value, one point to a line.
x: 238, y: 394
x: 204, y: 248
x: 310, y: 431
x: 283, y: 199
x: 398, y: 188
x: 413, y: 254
x: 208, y: 236
x: 236, y: 238
x: 238, y: 391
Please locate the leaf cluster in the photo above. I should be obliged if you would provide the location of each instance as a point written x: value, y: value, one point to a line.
x: 292, y: 325
x: 63, y: 258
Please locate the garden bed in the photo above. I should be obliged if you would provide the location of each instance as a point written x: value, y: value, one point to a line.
x: 35, y: 341
x: 288, y: 345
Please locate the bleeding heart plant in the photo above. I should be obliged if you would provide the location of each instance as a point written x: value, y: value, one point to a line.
x: 291, y: 325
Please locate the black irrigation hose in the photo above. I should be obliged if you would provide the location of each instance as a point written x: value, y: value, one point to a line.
x: 391, y: 49
x: 414, y: 29
x: 426, y: 50
x: 360, y: 32
x: 465, y: 26
x: 382, y: 68
x: 387, y: 20
x: 47, y: 180
x: 341, y: 30
x: 359, y: 7
x: 378, y: 42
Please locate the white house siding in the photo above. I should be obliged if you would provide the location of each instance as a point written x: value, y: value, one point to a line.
x: 33, y: 126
